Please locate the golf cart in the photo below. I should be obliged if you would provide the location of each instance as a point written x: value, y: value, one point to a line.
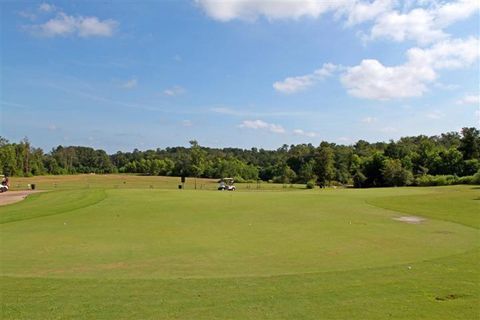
x: 226, y: 184
x: 4, y: 184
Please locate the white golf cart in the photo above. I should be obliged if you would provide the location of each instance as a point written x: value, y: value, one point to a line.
x: 226, y: 184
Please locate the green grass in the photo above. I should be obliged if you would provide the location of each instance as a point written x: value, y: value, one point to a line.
x: 158, y: 253
x: 460, y: 205
x: 130, y: 181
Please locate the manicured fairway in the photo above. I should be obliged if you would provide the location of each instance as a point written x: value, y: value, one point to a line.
x: 159, y: 253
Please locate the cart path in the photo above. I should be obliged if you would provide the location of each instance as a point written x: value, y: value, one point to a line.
x: 10, y: 197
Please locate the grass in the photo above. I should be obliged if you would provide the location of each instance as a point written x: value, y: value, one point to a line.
x: 130, y: 181
x: 158, y: 253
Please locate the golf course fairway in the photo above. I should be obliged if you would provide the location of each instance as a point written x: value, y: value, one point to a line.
x: 151, y: 253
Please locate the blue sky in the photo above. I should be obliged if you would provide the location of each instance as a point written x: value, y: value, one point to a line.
x: 241, y: 73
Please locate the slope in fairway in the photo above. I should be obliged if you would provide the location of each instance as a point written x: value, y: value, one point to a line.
x: 202, y: 247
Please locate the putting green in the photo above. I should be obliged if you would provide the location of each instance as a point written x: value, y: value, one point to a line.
x: 169, y: 234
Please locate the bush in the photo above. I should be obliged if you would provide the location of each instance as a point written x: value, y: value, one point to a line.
x: 465, y: 180
x: 429, y: 180
x: 446, y: 180
x: 476, y: 178
x: 311, y: 184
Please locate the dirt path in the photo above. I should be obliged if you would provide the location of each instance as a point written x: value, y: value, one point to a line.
x: 14, y: 196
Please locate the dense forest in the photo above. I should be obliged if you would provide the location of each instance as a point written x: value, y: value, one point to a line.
x: 450, y: 158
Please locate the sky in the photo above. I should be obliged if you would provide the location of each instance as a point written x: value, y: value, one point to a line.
x: 119, y: 75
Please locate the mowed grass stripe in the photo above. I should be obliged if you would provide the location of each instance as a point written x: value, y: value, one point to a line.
x: 50, y: 203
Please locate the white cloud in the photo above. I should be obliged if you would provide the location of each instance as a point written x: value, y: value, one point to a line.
x: 356, y: 11
x: 92, y: 26
x: 45, y: 7
x: 372, y: 80
x: 300, y: 132
x: 448, y: 54
x: 424, y: 25
x: 470, y: 99
x: 369, y: 120
x: 294, y: 84
x: 65, y: 25
x: 299, y: 83
x: 174, y: 91
x: 421, y: 21
x: 259, y: 124
x: 360, y: 12
x: 451, y: 12
x: 130, y: 84
x: 418, y: 25
x: 251, y: 9
x: 27, y: 15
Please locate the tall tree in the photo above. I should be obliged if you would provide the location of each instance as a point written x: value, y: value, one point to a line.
x: 197, y: 159
x: 324, y: 167
x: 470, y: 143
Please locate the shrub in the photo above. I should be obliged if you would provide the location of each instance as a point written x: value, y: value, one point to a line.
x: 465, y: 180
x: 446, y: 180
x: 311, y: 184
x: 476, y: 178
x: 429, y: 180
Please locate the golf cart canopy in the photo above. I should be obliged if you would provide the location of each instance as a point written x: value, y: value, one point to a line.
x: 226, y: 180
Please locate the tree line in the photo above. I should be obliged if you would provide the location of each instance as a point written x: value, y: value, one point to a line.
x: 449, y: 158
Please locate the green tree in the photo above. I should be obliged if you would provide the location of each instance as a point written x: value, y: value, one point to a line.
x: 394, y: 174
x: 307, y: 172
x: 324, y: 166
x: 470, y: 143
x: 359, y: 179
x: 8, y: 159
x: 372, y: 170
x: 197, y: 163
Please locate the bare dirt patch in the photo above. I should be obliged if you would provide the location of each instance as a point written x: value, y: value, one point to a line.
x: 10, y: 197
x: 450, y: 297
x: 410, y: 219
